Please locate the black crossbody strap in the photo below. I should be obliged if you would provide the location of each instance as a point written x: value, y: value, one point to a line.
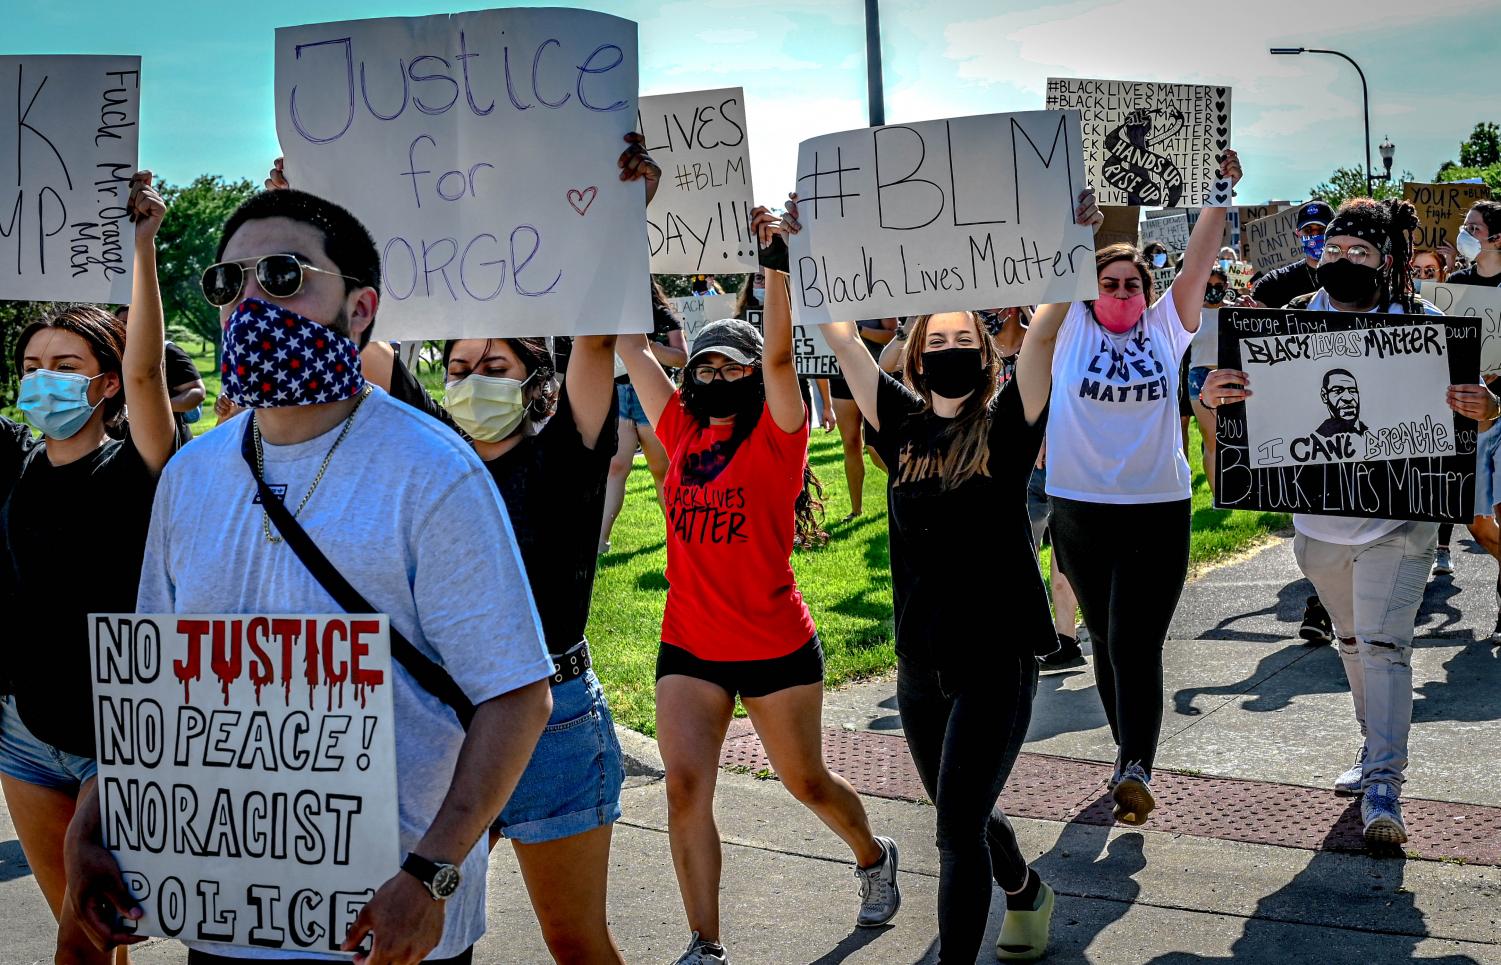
x: 432, y: 678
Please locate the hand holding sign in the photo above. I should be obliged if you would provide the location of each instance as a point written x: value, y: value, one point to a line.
x: 404, y: 920
x: 636, y: 164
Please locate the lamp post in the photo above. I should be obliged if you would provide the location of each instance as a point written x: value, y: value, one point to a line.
x: 874, y: 87
x: 1388, y: 152
x: 1370, y: 176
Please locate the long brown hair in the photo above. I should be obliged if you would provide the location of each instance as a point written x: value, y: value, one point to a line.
x: 532, y: 353
x: 106, y: 337
x: 965, y: 441
x: 1125, y: 251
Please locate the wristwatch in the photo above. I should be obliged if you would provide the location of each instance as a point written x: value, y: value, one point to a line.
x: 441, y: 880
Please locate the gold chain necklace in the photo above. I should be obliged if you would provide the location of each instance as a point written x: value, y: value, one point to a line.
x: 260, y: 464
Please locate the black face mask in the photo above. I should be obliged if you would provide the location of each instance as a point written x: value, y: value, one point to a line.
x: 1348, y: 282
x: 1214, y: 294
x: 720, y: 399
x: 952, y: 373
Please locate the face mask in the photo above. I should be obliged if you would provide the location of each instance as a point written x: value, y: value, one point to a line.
x: 1467, y: 245
x: 1417, y: 286
x: 760, y: 294
x: 721, y: 399
x: 951, y: 373
x: 487, y: 408
x: 1159, y: 260
x: 1347, y: 282
x: 57, y: 403
x: 1118, y: 315
x: 1313, y: 247
x: 1214, y: 294
x: 274, y: 357
x: 1224, y: 264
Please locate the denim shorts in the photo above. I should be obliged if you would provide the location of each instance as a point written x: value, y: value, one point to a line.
x: 572, y: 783
x: 630, y: 404
x: 1038, y: 508
x: 1196, y: 377
x: 1487, y: 449
x: 25, y: 758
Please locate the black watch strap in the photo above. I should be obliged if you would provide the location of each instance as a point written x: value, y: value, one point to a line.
x: 420, y: 868
x: 441, y: 880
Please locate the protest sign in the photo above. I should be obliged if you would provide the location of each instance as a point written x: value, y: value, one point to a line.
x: 696, y: 311
x: 940, y: 216
x: 700, y: 218
x: 1122, y: 225
x: 1157, y: 145
x: 1273, y: 241
x: 1162, y: 278
x: 1441, y: 210
x: 1240, y: 276
x: 1473, y: 301
x: 68, y: 137
x: 247, y: 762
x: 1168, y: 227
x: 1241, y: 217
x: 811, y: 351
x: 480, y: 150
x: 1347, y: 415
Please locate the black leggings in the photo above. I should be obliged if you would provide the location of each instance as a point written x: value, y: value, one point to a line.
x: 1445, y: 533
x: 964, y: 746
x: 1127, y: 564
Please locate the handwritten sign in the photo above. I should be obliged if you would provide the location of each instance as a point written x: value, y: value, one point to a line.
x: 1162, y: 279
x: 1241, y: 217
x: 1441, y: 210
x: 1169, y: 227
x: 1273, y: 241
x: 700, y: 219
x: 247, y: 771
x: 68, y: 137
x: 1122, y: 225
x: 1240, y: 275
x: 1348, y: 416
x: 696, y: 311
x: 941, y: 216
x: 480, y: 150
x: 1157, y: 145
x: 1480, y: 303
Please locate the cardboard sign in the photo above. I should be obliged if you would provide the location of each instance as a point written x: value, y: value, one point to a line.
x: 1162, y: 279
x: 700, y: 219
x: 480, y: 150
x: 1480, y: 303
x: 1273, y: 241
x: 940, y: 216
x: 247, y: 771
x: 1241, y: 217
x: 68, y: 136
x: 1122, y: 225
x: 1156, y: 145
x: 1168, y: 227
x: 1347, y: 416
x: 1441, y: 210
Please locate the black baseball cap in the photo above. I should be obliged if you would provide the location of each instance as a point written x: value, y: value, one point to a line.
x: 736, y: 340
x: 1314, y: 212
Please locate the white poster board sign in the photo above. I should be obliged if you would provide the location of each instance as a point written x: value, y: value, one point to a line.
x: 69, y: 129
x: 1157, y: 145
x: 811, y: 351
x: 1168, y: 227
x: 700, y: 219
x: 247, y: 771
x: 696, y: 311
x: 1478, y: 302
x: 1273, y: 241
x: 940, y: 216
x: 480, y: 150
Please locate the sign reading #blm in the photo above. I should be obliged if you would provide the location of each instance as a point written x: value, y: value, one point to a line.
x: 940, y: 216
x: 480, y: 149
x: 1347, y: 415
x: 247, y: 771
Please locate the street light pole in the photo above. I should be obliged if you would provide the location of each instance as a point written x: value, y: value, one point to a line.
x: 1365, y: 94
x: 875, y: 89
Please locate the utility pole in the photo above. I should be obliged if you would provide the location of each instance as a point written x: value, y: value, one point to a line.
x: 876, y: 91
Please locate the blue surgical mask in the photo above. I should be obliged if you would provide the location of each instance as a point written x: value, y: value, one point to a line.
x: 57, y: 403
x: 1313, y: 246
x: 1159, y: 260
x: 1225, y: 265
x: 760, y: 294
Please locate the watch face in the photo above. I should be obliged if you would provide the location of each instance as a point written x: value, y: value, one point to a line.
x: 446, y: 881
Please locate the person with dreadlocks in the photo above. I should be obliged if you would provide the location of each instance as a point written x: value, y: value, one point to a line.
x: 1369, y: 573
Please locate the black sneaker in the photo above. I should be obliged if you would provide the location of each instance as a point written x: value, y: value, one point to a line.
x: 1067, y: 655
x: 1316, y: 628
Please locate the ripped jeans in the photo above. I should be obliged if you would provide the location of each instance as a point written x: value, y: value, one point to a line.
x: 1372, y: 592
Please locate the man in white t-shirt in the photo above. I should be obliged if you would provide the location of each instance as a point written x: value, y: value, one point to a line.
x: 406, y: 512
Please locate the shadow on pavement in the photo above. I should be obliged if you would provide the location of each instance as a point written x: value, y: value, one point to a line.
x: 1120, y: 860
x: 1057, y: 710
x: 1286, y: 608
x: 850, y: 944
x: 13, y: 861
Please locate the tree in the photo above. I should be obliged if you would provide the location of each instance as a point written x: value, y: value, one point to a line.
x: 14, y: 317
x: 186, y: 245
x: 1482, y: 148
x: 1346, y: 183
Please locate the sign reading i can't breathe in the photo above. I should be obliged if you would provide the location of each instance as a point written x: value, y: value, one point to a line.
x: 247, y: 771
x: 480, y: 150
x: 68, y: 137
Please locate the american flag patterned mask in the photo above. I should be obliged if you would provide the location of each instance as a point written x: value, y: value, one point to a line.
x: 274, y: 357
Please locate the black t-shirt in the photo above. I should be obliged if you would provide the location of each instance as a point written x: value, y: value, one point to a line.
x: 964, y: 575
x: 74, y: 537
x: 1472, y: 276
x: 180, y: 371
x: 1281, y: 285
x: 554, y: 489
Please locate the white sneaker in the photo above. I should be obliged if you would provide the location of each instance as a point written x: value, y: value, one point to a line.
x: 701, y: 952
x: 1443, y: 565
x: 1382, y: 814
x: 880, y: 897
x: 1349, y: 783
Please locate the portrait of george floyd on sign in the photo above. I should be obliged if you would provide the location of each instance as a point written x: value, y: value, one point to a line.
x: 700, y: 218
x: 247, y: 771
x: 940, y: 216
x: 480, y: 149
x: 69, y: 132
x: 1347, y: 415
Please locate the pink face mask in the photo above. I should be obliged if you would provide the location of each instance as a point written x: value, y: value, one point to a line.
x: 1118, y: 315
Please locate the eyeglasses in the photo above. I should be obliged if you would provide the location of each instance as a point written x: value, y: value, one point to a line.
x: 280, y: 276
x: 730, y: 373
x: 1354, y: 252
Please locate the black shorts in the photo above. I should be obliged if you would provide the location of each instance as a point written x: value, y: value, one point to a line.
x: 747, y: 678
x: 839, y: 389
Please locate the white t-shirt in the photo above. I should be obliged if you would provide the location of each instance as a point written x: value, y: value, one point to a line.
x: 410, y: 516
x: 1113, y: 429
x: 1347, y: 530
x: 1204, y: 351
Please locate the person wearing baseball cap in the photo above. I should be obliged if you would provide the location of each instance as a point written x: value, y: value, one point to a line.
x: 1281, y: 285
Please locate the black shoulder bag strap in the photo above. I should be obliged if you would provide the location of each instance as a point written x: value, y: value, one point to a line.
x: 432, y: 678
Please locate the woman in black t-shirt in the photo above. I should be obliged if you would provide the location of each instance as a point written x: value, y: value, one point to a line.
x: 74, y: 508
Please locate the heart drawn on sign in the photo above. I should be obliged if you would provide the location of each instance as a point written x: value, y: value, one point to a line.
x: 1221, y: 194
x: 580, y: 200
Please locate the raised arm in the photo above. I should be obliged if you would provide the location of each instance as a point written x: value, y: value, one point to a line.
x: 673, y: 355
x: 653, y: 388
x: 1203, y: 247
x: 891, y: 355
x: 591, y: 383
x: 146, y: 397
x: 783, y: 396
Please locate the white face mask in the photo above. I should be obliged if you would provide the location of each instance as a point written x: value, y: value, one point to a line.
x: 1467, y: 245
x: 487, y: 408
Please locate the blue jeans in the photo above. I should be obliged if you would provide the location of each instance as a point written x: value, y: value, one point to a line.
x: 26, y: 758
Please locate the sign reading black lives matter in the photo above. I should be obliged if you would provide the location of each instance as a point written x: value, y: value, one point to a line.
x: 1347, y: 415
x: 1156, y: 145
x: 941, y: 216
x: 68, y: 136
x: 247, y: 779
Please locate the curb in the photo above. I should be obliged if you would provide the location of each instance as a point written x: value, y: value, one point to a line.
x: 642, y: 759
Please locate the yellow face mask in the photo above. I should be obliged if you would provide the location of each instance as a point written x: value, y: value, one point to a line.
x: 487, y: 408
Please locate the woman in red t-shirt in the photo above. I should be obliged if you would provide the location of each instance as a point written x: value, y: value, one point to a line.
x: 736, y: 437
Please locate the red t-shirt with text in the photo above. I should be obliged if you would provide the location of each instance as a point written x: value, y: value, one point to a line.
x: 730, y: 523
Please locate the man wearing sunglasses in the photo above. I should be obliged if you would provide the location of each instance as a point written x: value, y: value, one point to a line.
x: 297, y: 287
x: 1281, y: 285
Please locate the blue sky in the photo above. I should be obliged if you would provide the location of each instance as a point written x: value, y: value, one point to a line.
x: 207, y: 70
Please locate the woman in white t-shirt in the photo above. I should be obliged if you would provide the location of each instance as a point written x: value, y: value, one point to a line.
x: 1119, y: 481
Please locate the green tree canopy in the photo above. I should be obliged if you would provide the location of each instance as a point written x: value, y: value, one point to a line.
x: 186, y: 245
x: 1482, y: 148
x: 1347, y: 183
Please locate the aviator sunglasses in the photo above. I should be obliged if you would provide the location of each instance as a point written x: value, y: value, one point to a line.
x: 280, y: 276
